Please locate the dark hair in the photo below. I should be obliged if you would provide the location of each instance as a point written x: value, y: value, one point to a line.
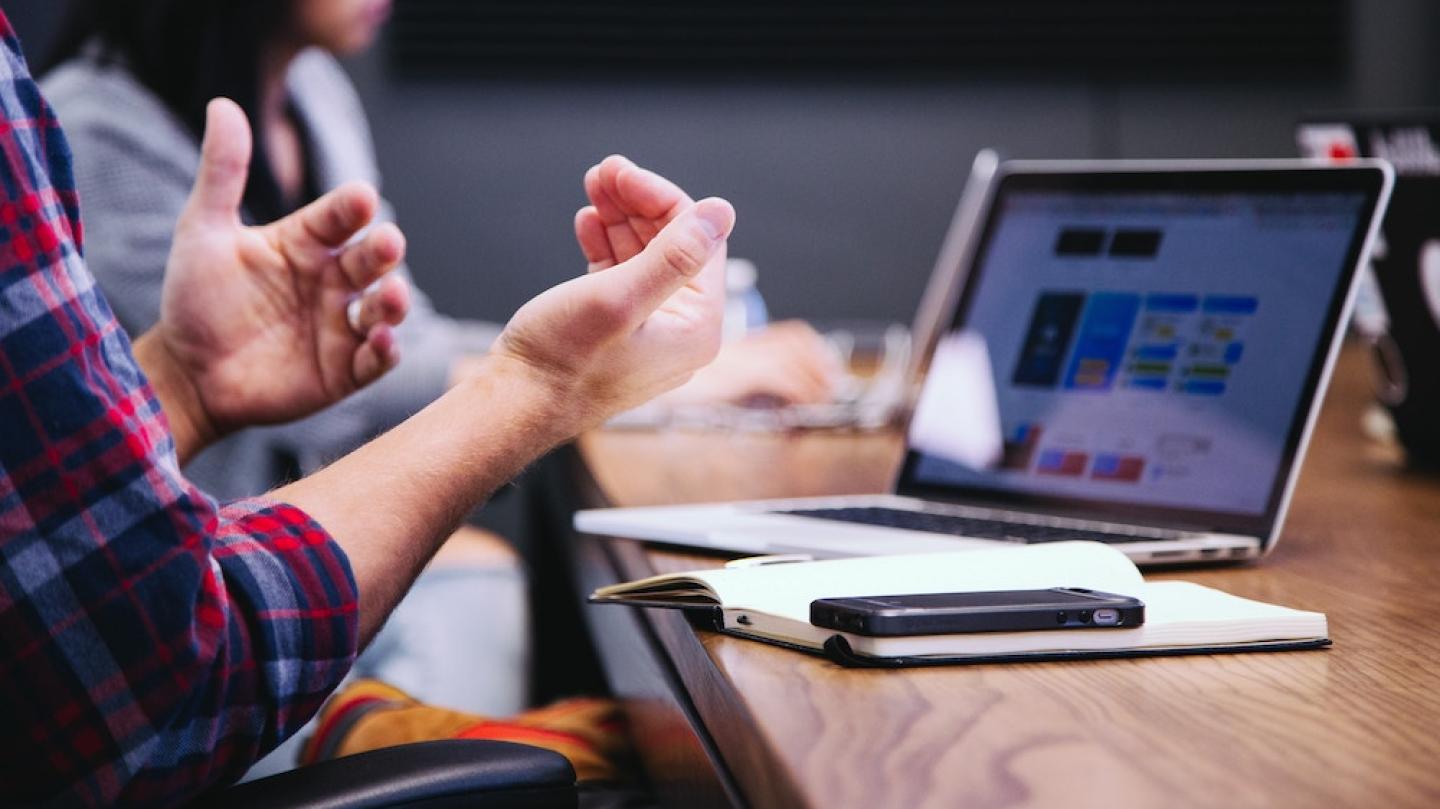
x: 188, y: 52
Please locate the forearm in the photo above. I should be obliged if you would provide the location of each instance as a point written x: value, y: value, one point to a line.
x: 189, y: 423
x: 391, y: 503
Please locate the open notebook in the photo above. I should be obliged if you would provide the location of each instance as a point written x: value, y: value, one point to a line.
x: 772, y: 603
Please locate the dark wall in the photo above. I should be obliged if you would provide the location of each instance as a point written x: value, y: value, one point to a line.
x: 35, y: 21
x: 843, y: 190
x: 844, y: 185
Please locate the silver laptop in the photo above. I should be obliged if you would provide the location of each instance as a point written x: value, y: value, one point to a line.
x: 1135, y: 354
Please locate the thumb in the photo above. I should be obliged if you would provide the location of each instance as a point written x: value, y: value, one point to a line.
x: 675, y: 256
x: 224, y: 162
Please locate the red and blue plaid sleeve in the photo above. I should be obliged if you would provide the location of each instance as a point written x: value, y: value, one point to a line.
x: 152, y: 643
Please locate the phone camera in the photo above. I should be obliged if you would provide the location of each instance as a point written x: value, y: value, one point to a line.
x: 1061, y: 617
x: 1084, y: 616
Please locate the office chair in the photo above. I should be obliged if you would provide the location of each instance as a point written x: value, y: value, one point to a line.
x: 473, y: 773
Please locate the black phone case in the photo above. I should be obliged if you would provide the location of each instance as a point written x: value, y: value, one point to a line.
x: 1059, y: 614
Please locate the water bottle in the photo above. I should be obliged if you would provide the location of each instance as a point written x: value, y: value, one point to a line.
x: 744, y: 307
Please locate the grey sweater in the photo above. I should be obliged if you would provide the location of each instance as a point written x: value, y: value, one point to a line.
x: 134, y: 165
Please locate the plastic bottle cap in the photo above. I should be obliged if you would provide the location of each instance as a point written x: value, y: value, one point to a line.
x: 740, y: 275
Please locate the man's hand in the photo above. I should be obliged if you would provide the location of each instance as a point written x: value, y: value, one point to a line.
x: 575, y: 355
x: 787, y: 363
x: 627, y: 331
x: 253, y: 320
x: 628, y: 207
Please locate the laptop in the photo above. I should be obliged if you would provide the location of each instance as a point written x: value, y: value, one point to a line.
x: 1397, y: 308
x: 1146, y: 345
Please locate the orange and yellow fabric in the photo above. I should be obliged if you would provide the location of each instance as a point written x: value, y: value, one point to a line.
x: 370, y: 714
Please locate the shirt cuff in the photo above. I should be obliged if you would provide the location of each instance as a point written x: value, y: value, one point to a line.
x: 303, y: 623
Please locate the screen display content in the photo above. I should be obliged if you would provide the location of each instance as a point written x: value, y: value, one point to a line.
x: 1148, y: 348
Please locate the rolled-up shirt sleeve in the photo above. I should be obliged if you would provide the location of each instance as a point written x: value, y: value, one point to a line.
x: 153, y: 643
x: 271, y: 633
x: 291, y: 601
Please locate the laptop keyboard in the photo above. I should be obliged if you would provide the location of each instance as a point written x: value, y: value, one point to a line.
x: 933, y: 523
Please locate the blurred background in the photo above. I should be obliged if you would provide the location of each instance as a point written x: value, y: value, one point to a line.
x: 842, y: 130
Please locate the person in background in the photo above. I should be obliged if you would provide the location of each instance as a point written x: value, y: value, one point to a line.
x: 155, y: 642
x: 129, y: 80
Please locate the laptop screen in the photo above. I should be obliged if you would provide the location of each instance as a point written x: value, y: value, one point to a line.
x: 1154, y: 344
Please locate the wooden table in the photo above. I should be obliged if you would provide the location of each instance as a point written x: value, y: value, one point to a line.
x: 723, y: 721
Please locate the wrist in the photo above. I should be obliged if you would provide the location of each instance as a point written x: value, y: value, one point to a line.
x: 190, y: 422
x: 530, y: 402
x: 466, y: 366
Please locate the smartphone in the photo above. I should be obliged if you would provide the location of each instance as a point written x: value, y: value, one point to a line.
x: 993, y: 611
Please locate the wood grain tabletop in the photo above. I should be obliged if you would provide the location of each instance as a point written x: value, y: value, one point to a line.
x: 1355, y: 725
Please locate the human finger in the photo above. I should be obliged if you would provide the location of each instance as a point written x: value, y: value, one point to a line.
x: 822, y: 370
x: 600, y: 199
x: 792, y: 378
x: 642, y: 192
x: 388, y: 302
x: 811, y: 387
x: 378, y: 253
x: 809, y: 347
x: 807, y: 383
x: 591, y: 182
x: 646, y: 200
x: 224, y: 163
x: 678, y: 256
x: 600, y: 185
x: 331, y: 221
x: 776, y: 384
x: 624, y: 242
x: 792, y: 350
x: 376, y: 355
x: 594, y: 244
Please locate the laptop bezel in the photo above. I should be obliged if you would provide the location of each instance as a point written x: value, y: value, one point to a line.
x: 937, y: 306
x: 1373, y: 178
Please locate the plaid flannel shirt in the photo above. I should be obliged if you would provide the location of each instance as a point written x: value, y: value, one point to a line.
x: 152, y: 643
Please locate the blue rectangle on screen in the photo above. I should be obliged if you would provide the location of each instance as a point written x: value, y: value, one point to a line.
x: 1051, y: 459
x: 1232, y: 304
x: 1157, y: 352
x: 1104, y: 333
x: 1052, y: 325
x: 1233, y: 352
x: 1148, y: 382
x: 1205, y: 387
x: 1171, y: 303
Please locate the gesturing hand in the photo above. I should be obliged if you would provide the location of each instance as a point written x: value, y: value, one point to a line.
x: 787, y: 363
x: 253, y: 326
x: 628, y: 207
x: 640, y: 322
